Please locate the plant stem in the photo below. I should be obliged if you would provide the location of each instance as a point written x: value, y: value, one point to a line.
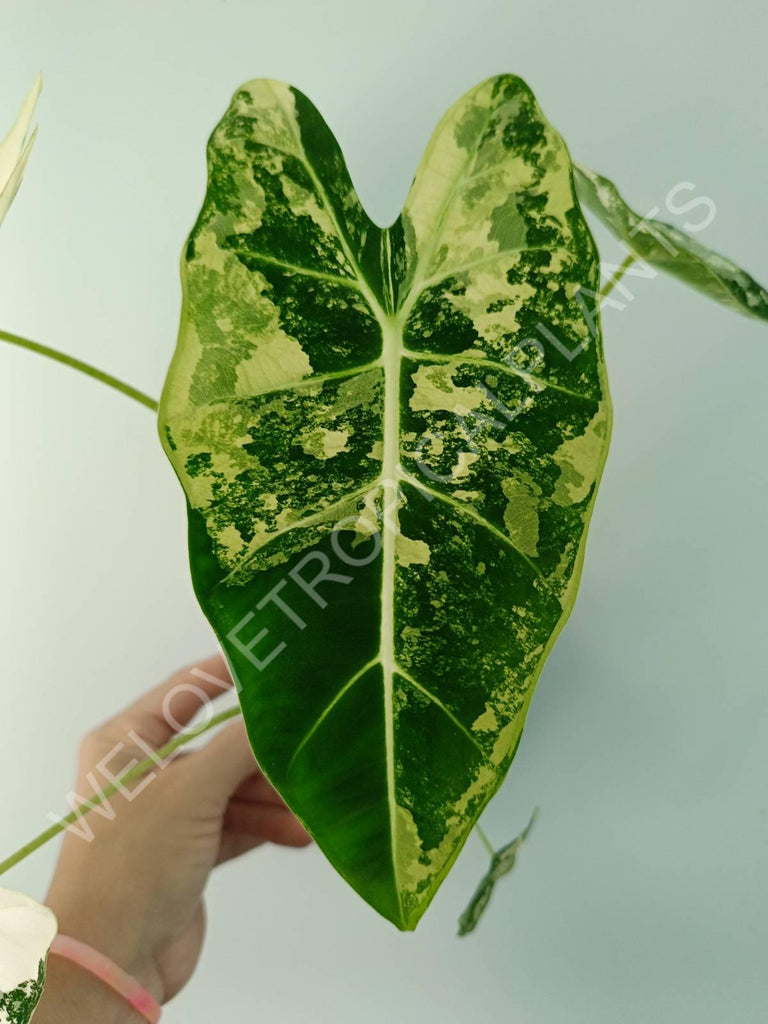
x: 611, y: 284
x: 77, y: 364
x: 130, y: 776
x: 486, y: 841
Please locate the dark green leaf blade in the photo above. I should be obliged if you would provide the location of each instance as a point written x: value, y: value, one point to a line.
x: 388, y: 490
x: 671, y: 250
x: 502, y: 862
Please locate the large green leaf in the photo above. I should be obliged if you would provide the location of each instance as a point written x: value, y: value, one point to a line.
x: 390, y: 442
x: 671, y: 250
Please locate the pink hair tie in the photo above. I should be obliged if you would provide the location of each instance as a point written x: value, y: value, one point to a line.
x: 108, y: 972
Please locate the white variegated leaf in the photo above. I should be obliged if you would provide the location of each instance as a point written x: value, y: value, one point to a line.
x: 27, y: 930
x: 15, y: 149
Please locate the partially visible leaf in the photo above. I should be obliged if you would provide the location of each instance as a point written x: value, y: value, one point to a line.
x: 502, y: 863
x: 390, y: 441
x: 671, y: 250
x: 15, y: 149
x: 27, y: 930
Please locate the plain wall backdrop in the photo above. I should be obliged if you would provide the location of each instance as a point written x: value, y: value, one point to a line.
x: 641, y: 895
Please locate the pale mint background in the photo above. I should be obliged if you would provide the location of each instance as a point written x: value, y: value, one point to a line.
x: 642, y: 895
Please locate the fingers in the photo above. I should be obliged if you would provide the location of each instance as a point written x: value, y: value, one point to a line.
x: 225, y: 763
x: 233, y: 846
x: 226, y: 772
x: 266, y: 822
x: 258, y: 790
x: 169, y: 708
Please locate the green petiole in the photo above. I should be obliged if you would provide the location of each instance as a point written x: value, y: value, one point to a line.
x: 99, y: 798
x: 78, y: 364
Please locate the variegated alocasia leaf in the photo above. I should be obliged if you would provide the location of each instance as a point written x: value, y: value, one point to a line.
x: 15, y: 150
x: 27, y: 930
x: 390, y: 442
x: 671, y: 250
x: 502, y: 862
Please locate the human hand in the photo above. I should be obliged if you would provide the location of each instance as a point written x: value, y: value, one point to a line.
x: 135, y: 891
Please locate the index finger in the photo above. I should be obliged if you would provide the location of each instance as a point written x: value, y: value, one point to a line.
x: 167, y: 709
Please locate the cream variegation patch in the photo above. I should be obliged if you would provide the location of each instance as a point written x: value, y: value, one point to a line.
x: 411, y: 552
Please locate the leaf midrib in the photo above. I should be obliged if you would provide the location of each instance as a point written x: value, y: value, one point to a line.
x: 398, y: 670
x: 389, y: 334
x: 392, y: 339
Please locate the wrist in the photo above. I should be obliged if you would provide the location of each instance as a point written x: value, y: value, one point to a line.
x: 108, y: 926
x: 73, y: 996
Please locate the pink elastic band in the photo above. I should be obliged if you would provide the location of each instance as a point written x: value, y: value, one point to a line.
x: 102, y: 968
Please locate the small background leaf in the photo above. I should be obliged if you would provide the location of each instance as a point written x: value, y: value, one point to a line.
x: 502, y: 863
x: 671, y: 250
